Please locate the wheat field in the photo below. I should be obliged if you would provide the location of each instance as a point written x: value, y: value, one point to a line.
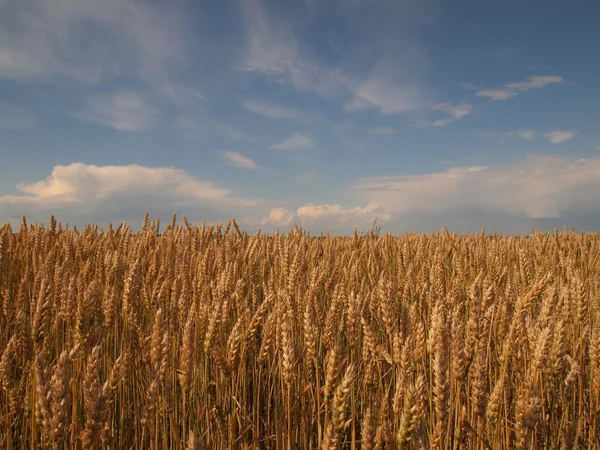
x: 207, y: 338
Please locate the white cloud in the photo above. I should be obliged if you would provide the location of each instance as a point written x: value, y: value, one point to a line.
x: 534, y: 82
x: 383, y: 131
x: 555, y: 137
x: 393, y: 85
x: 525, y: 134
x: 79, y: 182
x: 279, y: 217
x: 456, y: 112
x: 382, y: 94
x: 273, y: 111
x: 48, y: 40
x: 273, y: 51
x: 538, y: 186
x: 496, y: 94
x: 13, y: 117
x: 321, y: 216
x: 559, y: 136
x: 312, y: 212
x: 294, y: 142
x: 238, y: 160
x: 512, y: 89
x: 123, y: 111
x: 82, y: 192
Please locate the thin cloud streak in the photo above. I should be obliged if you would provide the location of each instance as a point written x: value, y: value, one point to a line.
x: 554, y: 136
x: 559, y: 136
x: 456, y: 112
x: 123, y: 111
x: 383, y: 131
x: 238, y: 160
x: 273, y: 111
x: 510, y: 90
x: 295, y: 142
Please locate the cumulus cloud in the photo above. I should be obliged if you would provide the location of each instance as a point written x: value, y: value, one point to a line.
x: 312, y: 212
x: 103, y: 193
x: 294, y: 142
x: 537, y: 187
x: 318, y: 217
x: 273, y: 111
x: 279, y: 217
x: 238, y: 160
x: 383, y: 131
x: 540, y: 189
x: 123, y: 111
x: 510, y: 90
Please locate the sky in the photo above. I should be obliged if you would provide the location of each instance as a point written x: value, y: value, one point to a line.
x: 331, y: 114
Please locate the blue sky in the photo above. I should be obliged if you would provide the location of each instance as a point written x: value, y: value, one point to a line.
x: 425, y: 114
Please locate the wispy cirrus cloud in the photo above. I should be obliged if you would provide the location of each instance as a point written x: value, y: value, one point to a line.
x: 294, y: 142
x: 273, y: 111
x: 393, y: 84
x: 523, y: 133
x: 124, y: 111
x: 510, y: 90
x: 392, y: 88
x: 383, y: 131
x: 274, y: 51
x: 554, y: 136
x: 238, y: 160
x: 87, y: 42
x: 456, y: 112
x: 380, y: 92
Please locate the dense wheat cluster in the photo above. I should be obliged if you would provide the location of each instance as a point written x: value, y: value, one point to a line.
x: 198, y: 338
